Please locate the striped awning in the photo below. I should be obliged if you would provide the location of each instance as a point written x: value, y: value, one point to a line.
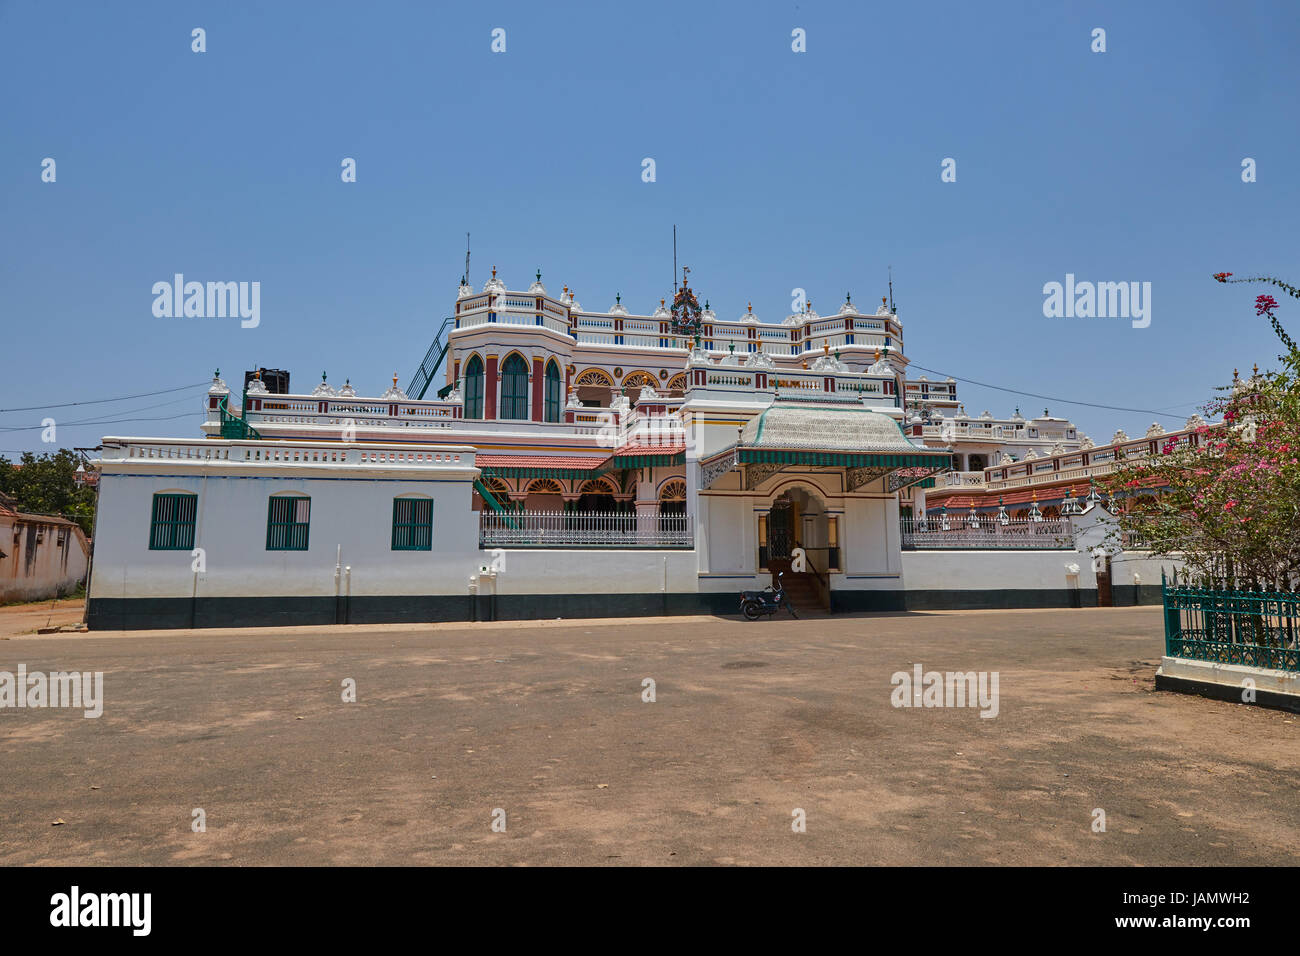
x: 645, y: 456
x: 540, y: 466
x: 841, y: 459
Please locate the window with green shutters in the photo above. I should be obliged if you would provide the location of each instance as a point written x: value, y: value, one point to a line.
x: 172, y: 525
x: 412, y: 524
x: 552, y: 392
x: 474, y: 388
x: 287, y: 521
x: 514, y: 388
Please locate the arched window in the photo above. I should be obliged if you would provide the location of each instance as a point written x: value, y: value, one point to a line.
x: 552, y: 407
x: 672, y: 497
x: 514, y: 388
x: 474, y: 388
x: 597, y: 496
x: 499, y: 491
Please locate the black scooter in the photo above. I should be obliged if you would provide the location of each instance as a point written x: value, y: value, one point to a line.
x: 755, y: 604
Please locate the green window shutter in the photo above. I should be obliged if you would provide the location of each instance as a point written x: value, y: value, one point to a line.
x: 171, y: 527
x: 412, y: 524
x: 552, y: 392
x: 514, y: 388
x: 474, y: 388
x: 288, y: 519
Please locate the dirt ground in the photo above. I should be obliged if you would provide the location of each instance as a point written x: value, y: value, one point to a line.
x: 546, y: 722
x: 16, y: 619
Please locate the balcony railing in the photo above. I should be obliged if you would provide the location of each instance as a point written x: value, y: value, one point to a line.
x: 572, y: 529
x: 985, y: 532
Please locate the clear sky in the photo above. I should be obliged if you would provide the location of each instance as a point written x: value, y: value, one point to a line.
x: 815, y: 170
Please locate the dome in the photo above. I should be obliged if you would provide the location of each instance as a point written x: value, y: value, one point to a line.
x: 494, y: 284
x: 749, y: 315
x: 826, y: 428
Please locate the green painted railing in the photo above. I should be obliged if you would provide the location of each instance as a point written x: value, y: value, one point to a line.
x: 1254, y: 628
x: 233, y: 426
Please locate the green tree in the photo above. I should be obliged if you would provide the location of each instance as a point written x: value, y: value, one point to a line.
x: 47, y: 485
x: 1230, y: 507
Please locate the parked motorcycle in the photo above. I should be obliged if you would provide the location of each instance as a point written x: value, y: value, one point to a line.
x: 755, y: 604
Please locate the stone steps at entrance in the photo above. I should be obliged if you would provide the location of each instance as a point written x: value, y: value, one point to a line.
x: 801, y: 588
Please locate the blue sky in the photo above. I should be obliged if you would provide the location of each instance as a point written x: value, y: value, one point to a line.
x: 815, y: 170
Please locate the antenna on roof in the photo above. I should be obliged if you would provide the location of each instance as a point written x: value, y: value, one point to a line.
x: 467, y: 258
x: 674, y: 285
x: 891, y: 291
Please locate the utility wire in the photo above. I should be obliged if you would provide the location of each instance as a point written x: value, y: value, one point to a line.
x: 93, y: 418
x: 1049, y: 398
x: 101, y: 401
x: 109, y: 421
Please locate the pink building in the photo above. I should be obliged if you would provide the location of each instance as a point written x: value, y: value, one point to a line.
x: 41, y: 556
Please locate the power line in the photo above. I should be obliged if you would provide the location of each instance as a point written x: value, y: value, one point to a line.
x: 92, y: 419
x: 1049, y: 398
x: 108, y: 421
x: 102, y: 401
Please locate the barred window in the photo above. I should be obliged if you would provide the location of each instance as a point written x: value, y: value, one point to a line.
x: 287, y: 520
x: 412, y: 524
x: 172, y: 525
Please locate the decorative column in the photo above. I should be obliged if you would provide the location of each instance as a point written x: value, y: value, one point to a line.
x: 647, y: 506
x: 539, y: 378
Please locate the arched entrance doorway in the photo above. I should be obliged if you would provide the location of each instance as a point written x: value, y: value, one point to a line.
x: 798, y: 518
x: 798, y: 538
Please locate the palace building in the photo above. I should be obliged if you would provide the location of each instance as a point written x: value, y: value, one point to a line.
x: 548, y: 460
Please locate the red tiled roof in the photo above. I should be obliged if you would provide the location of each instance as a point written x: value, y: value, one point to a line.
x: 1050, y: 493
x: 641, y: 448
x: 578, y: 462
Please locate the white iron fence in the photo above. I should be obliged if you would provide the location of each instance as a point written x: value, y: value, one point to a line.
x: 985, y: 532
x: 565, y: 529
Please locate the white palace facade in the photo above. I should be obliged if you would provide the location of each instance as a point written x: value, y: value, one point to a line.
x: 551, y: 461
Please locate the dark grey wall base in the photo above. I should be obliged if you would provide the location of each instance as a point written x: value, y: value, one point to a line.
x: 1133, y: 595
x: 126, y: 614
x: 953, y: 600
x: 131, y: 614
x: 1228, y: 692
